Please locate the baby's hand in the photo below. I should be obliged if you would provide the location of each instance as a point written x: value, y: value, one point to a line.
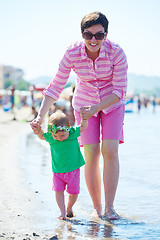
x: 37, y: 121
x: 86, y: 112
x: 35, y: 125
x: 36, y: 129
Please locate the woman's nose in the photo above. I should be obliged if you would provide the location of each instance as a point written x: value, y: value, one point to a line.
x: 93, y: 38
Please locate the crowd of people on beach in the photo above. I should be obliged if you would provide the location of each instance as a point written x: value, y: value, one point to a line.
x: 30, y: 100
x: 143, y: 102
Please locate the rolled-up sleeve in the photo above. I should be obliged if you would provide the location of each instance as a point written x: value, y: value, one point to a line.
x: 57, y: 85
x: 120, y: 67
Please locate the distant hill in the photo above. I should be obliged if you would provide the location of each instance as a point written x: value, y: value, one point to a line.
x: 136, y: 83
x: 45, y: 80
x: 41, y: 80
x: 142, y: 83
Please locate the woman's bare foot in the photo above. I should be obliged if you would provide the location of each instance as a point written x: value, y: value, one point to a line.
x: 111, y: 214
x: 97, y: 213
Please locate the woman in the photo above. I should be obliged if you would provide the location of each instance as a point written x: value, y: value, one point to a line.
x: 101, y: 69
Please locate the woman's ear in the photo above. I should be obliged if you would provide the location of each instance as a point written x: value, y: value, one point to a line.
x: 106, y: 36
x: 82, y: 35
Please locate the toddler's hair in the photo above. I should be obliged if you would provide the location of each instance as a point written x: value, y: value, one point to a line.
x: 58, y: 119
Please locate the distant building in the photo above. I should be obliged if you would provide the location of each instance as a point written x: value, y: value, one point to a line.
x: 10, y: 73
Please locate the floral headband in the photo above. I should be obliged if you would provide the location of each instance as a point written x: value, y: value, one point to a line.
x: 54, y: 129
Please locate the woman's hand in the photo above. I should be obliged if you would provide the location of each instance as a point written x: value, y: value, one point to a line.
x: 88, y: 111
x: 35, y: 125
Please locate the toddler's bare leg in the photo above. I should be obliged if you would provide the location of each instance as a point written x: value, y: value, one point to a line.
x: 61, y: 204
x: 71, y: 201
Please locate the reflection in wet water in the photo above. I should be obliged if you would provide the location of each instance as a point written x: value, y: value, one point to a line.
x: 122, y: 229
x: 82, y: 230
x: 137, y: 196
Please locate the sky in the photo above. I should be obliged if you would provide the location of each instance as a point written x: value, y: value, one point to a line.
x: 34, y: 34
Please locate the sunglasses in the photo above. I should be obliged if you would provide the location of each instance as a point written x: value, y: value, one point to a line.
x: 98, y: 35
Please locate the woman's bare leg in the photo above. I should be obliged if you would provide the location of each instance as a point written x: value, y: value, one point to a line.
x: 93, y: 175
x: 71, y: 201
x: 110, y: 175
x: 61, y: 203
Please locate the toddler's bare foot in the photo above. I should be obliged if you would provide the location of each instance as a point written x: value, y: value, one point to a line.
x: 61, y: 218
x: 111, y: 214
x: 70, y: 214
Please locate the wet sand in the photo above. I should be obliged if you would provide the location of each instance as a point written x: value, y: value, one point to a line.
x: 18, y: 204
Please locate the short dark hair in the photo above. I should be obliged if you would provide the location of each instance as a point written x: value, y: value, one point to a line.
x: 94, y: 18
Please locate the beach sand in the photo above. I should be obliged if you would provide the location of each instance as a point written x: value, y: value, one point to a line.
x: 18, y: 204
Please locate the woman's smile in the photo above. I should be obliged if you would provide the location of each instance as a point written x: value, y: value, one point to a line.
x: 93, y: 45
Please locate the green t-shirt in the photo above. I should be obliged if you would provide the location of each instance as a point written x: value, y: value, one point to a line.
x: 66, y: 155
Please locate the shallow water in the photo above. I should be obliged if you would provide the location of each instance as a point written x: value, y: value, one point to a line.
x: 138, y: 194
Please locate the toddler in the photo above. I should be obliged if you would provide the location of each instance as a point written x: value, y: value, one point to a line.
x: 66, y: 158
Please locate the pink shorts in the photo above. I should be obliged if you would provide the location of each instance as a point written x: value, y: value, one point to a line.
x: 110, y: 125
x: 69, y: 179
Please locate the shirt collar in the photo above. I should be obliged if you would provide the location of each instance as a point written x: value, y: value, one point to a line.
x: 83, y: 51
x: 102, y: 53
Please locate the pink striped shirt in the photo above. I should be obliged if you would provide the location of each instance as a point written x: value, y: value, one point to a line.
x: 94, y: 82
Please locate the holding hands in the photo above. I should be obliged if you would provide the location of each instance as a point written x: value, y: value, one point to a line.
x: 36, y: 125
x: 88, y: 111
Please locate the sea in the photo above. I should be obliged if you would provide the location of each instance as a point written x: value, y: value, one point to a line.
x: 138, y: 194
